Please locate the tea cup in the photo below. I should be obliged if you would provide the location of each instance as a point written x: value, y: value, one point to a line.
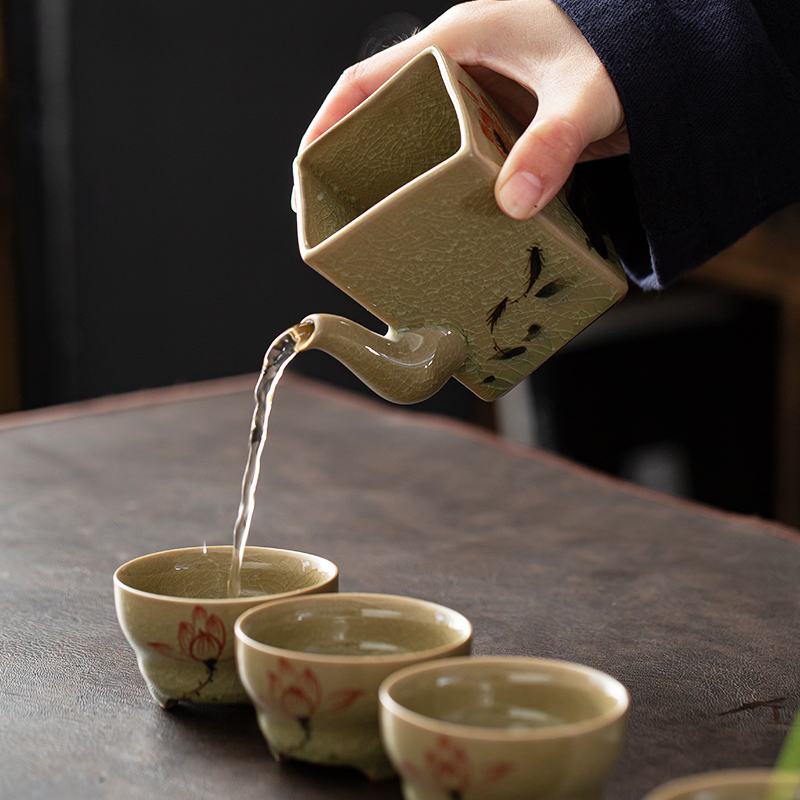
x: 731, y: 784
x: 502, y: 728
x: 174, y: 610
x: 312, y: 667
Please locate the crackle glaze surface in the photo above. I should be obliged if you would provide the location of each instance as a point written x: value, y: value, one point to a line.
x: 312, y: 667
x: 172, y: 608
x: 396, y: 207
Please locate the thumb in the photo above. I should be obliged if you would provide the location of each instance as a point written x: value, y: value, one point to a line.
x: 540, y: 162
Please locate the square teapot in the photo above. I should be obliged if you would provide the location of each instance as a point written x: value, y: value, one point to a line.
x: 395, y: 206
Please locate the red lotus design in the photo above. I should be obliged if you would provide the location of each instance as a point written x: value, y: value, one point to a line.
x: 298, y: 693
x: 448, y: 767
x: 201, y: 640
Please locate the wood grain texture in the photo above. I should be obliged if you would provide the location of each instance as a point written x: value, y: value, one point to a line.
x: 695, y: 611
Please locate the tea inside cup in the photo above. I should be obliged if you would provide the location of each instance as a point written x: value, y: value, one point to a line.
x: 732, y: 784
x: 312, y: 667
x: 502, y: 728
x: 174, y: 610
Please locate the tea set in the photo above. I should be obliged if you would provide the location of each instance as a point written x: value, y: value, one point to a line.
x: 395, y: 206
x: 382, y: 683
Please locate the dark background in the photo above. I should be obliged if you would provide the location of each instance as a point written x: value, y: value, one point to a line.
x: 156, y: 140
x: 152, y: 143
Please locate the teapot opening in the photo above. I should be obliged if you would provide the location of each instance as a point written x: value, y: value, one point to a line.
x: 355, y: 165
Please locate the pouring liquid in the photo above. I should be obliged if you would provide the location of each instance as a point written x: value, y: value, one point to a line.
x: 277, y: 357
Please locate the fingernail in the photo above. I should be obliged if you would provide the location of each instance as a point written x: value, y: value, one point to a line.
x: 520, y: 194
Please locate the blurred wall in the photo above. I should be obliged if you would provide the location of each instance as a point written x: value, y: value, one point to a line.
x: 155, y: 140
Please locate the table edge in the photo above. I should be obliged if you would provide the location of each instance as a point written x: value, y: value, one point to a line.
x: 239, y: 383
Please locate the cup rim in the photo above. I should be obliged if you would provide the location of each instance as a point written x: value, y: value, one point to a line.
x: 475, y: 732
x: 333, y: 574
x: 322, y: 658
x: 720, y: 777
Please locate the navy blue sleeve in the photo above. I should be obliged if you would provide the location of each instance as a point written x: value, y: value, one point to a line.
x: 711, y: 94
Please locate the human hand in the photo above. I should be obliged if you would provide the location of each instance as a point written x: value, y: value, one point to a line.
x: 533, y: 60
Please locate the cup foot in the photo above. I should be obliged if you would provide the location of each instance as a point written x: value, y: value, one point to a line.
x: 277, y: 755
x: 162, y: 699
x: 376, y: 771
x: 379, y: 773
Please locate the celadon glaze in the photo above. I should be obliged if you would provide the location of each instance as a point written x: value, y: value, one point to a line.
x: 732, y: 784
x: 402, y: 367
x: 502, y: 728
x: 312, y: 667
x: 396, y: 207
x: 172, y: 608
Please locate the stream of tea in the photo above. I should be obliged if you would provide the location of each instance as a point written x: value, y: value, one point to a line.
x: 280, y: 353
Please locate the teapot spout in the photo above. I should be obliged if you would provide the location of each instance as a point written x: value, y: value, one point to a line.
x: 403, y: 367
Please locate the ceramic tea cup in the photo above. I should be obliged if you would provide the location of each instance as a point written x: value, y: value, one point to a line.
x: 496, y: 728
x: 312, y: 667
x: 173, y: 609
x: 742, y: 784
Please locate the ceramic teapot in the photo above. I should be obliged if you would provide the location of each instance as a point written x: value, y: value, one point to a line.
x: 395, y: 205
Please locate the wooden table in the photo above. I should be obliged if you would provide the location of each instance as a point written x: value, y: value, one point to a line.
x: 694, y: 610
